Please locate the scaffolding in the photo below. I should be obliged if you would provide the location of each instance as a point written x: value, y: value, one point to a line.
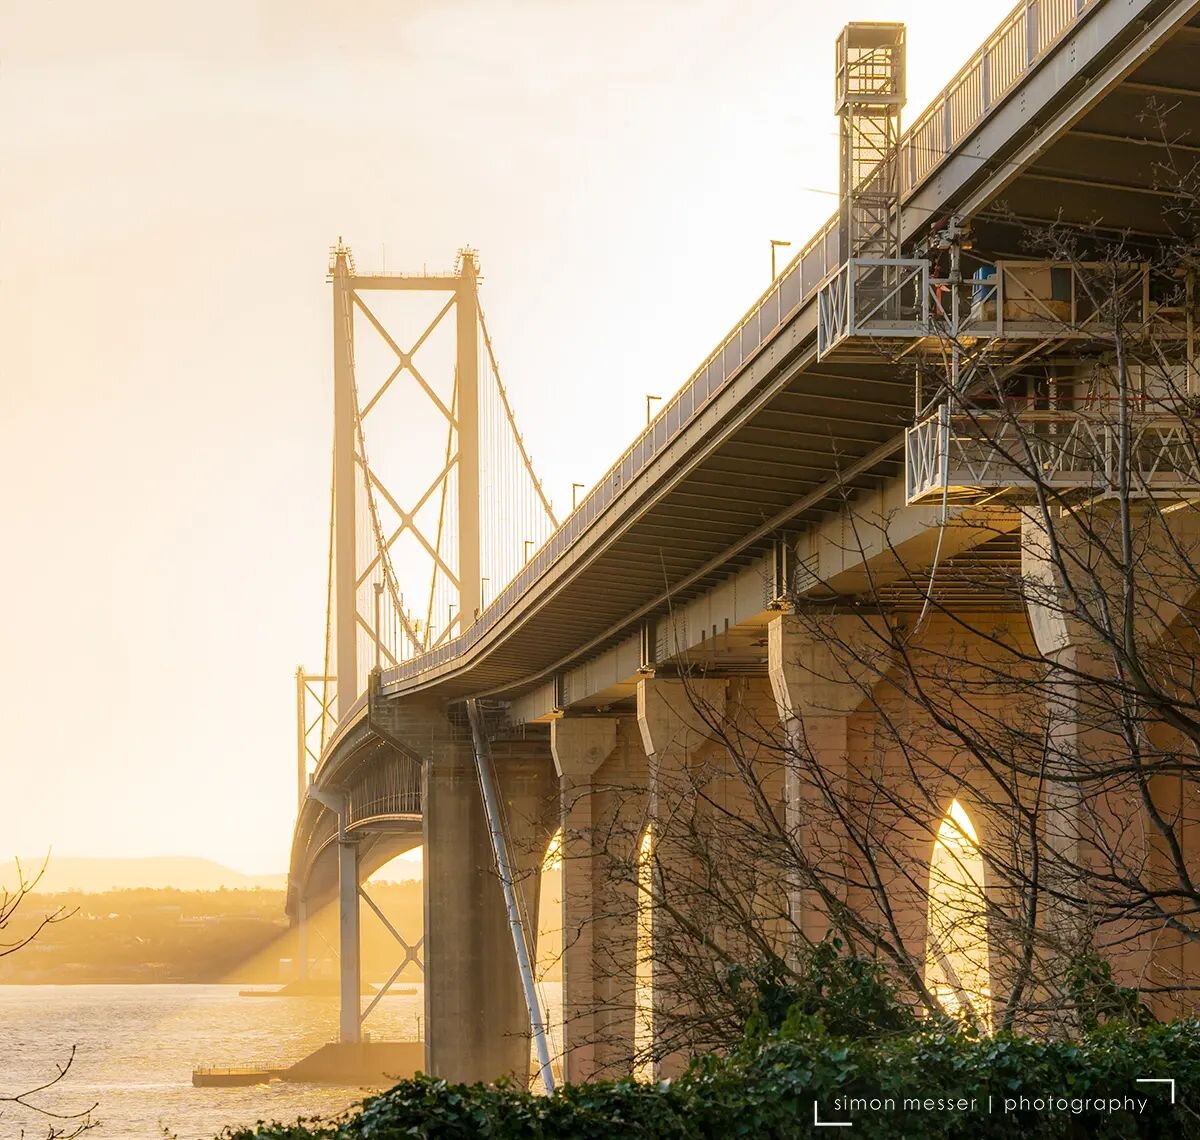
x: 869, y: 88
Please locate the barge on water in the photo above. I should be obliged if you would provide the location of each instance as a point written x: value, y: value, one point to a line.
x: 237, y: 1077
x: 379, y: 1064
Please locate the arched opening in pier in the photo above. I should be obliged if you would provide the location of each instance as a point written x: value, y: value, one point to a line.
x: 547, y: 970
x: 956, y: 948
x: 643, y: 981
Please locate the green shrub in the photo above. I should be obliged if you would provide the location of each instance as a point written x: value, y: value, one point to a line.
x: 769, y: 1092
x: 1098, y: 999
x: 817, y: 1039
x: 851, y: 996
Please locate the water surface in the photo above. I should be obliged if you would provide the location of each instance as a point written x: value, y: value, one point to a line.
x: 136, y: 1047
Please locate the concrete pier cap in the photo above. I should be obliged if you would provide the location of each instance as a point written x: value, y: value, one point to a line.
x: 824, y: 666
x: 580, y: 745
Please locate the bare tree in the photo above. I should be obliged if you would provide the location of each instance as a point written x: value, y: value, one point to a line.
x: 1009, y: 822
x: 26, y: 1106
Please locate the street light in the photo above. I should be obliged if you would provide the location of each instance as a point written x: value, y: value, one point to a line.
x: 575, y: 487
x: 649, y: 399
x: 528, y: 544
x: 776, y: 243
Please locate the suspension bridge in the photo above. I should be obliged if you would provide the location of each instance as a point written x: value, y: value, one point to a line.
x: 476, y: 643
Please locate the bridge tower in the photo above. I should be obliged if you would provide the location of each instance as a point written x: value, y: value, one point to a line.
x: 358, y: 488
x: 433, y: 489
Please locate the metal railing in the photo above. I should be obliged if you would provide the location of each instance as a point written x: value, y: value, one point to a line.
x: 390, y: 789
x: 264, y: 1067
x: 883, y: 298
x: 1034, y: 299
x: 957, y: 454
x: 876, y: 296
x: 1025, y: 36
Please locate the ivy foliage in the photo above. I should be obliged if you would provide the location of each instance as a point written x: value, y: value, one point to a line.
x: 852, y: 996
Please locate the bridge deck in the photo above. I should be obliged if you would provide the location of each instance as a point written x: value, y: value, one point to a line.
x: 762, y: 437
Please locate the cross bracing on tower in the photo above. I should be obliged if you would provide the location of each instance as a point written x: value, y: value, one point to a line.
x: 435, y: 503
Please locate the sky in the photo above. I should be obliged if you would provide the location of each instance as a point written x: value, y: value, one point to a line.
x: 173, y: 177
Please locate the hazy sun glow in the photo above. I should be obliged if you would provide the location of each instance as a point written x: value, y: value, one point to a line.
x: 168, y: 424
x: 553, y: 859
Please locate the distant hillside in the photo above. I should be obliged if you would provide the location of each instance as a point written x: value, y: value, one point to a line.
x: 132, y: 935
x: 75, y: 873
x: 138, y: 935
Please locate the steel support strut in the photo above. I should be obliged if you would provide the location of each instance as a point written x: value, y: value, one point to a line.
x: 349, y: 956
x: 349, y: 946
x: 491, y: 807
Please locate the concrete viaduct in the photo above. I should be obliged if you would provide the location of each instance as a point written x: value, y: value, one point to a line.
x: 685, y: 562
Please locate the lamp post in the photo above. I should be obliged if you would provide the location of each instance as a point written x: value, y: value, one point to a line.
x: 649, y: 400
x: 776, y: 243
